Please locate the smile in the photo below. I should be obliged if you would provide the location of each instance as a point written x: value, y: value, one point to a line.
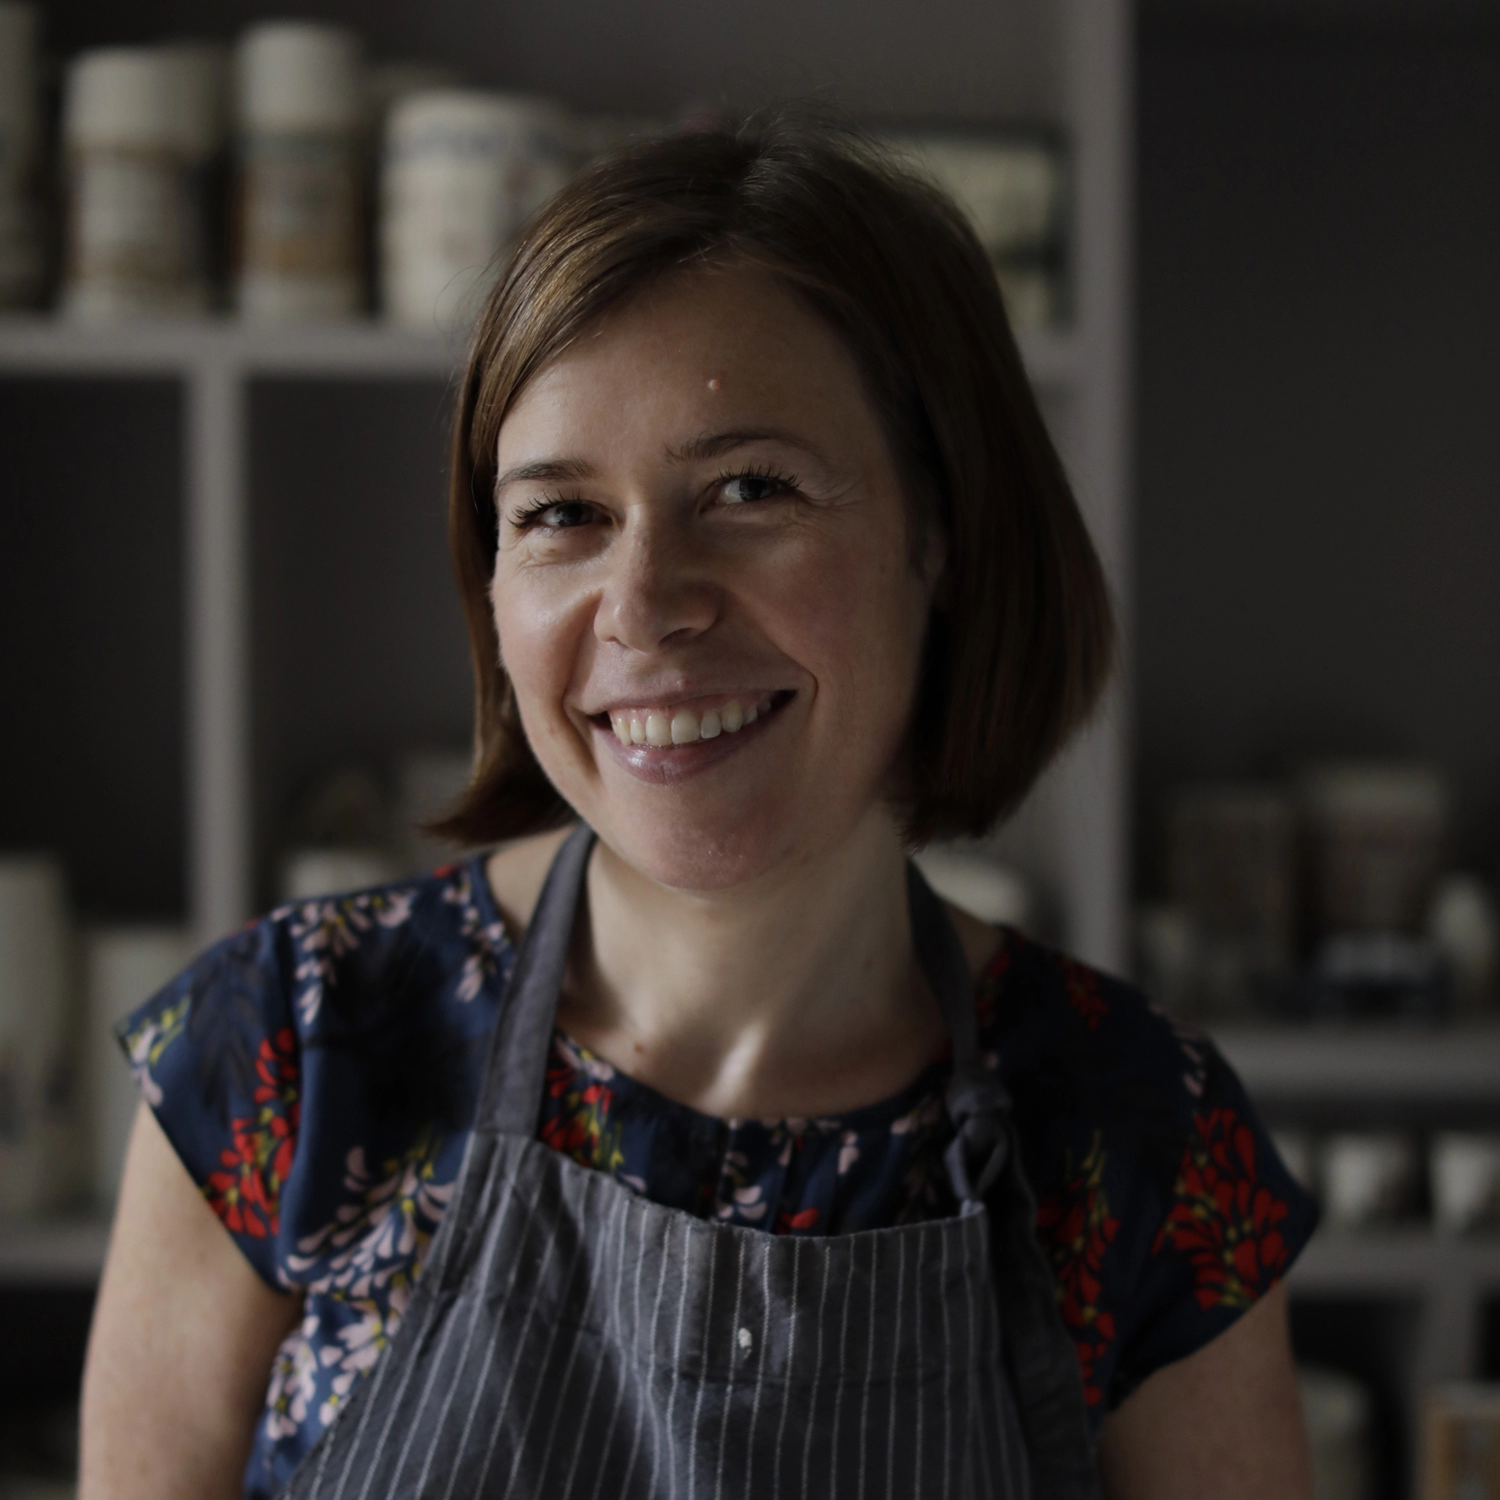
x: 665, y: 726
x: 668, y: 743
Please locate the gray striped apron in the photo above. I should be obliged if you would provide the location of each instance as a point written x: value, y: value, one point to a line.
x: 569, y: 1338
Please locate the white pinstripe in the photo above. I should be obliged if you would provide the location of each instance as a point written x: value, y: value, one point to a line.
x: 838, y: 1390
x: 372, y: 1464
x: 734, y: 1324
x: 947, y: 1381
x: 588, y: 1404
x: 977, y: 1433
x: 540, y: 1377
x: 708, y: 1328
x: 489, y: 1354
x: 824, y: 1257
x: 760, y: 1363
x: 498, y: 1234
x: 677, y: 1359
x: 890, y: 1439
x: 635, y: 1353
x: 791, y: 1366
x: 650, y: 1397
x: 864, y: 1400
x: 327, y: 1452
x: 439, y: 1360
x: 916, y: 1462
x: 656, y: 1414
x: 620, y: 1380
x: 381, y: 1370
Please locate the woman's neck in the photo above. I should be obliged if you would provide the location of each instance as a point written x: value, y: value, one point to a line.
x: 794, y: 995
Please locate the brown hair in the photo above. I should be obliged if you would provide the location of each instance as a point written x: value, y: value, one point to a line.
x: 1021, y: 643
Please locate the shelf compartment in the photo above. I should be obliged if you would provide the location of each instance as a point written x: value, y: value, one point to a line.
x: 91, y: 590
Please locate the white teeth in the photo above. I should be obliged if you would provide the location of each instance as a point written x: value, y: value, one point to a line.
x: 684, y: 727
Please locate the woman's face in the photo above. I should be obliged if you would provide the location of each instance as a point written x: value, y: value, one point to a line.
x: 704, y: 591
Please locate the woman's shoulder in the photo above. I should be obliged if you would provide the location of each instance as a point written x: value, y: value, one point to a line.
x: 1162, y: 1204
x: 353, y: 1022
x: 333, y: 964
x: 1084, y: 1040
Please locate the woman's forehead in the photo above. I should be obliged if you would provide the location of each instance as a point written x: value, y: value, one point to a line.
x: 706, y: 346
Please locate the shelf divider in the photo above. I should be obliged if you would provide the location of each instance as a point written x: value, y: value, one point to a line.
x: 218, y: 625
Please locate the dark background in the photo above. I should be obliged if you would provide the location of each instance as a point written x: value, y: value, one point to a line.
x: 1318, y: 344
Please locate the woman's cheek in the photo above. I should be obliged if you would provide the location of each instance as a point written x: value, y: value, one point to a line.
x: 537, y: 631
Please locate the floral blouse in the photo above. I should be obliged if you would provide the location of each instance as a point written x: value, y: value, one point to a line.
x: 317, y: 1074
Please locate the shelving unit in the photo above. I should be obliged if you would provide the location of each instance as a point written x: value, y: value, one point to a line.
x: 216, y: 364
x: 299, y: 472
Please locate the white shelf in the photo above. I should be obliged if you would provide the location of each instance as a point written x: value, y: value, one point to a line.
x: 1388, y: 1065
x: 32, y: 345
x: 49, y: 346
x: 66, y: 1253
x: 1395, y: 1263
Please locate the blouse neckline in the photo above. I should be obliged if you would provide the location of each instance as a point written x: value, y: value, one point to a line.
x: 875, y: 1116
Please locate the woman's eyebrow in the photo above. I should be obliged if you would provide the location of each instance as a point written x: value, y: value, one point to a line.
x: 712, y: 445
x: 546, y: 469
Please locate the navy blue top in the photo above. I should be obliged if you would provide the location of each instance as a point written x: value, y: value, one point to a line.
x: 317, y: 1074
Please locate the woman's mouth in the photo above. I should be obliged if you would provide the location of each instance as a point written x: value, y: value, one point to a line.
x: 664, y: 741
x: 666, y: 726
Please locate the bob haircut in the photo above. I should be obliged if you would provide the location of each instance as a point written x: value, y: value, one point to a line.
x: 1021, y: 640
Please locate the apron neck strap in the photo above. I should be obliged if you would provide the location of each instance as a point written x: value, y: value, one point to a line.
x: 977, y: 1102
x: 511, y: 1099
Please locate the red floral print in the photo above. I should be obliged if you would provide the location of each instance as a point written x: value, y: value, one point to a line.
x: 794, y: 1223
x: 1076, y: 1229
x: 1084, y: 996
x: 581, y: 1127
x: 1222, y: 1218
x: 246, y: 1191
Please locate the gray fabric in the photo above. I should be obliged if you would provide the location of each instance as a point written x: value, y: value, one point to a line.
x: 570, y: 1338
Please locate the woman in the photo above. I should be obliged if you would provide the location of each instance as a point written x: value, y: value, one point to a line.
x: 750, y: 1168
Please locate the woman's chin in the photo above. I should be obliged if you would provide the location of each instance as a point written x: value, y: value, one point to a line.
x: 696, y: 854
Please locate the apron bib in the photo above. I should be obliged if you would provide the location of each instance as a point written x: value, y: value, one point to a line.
x: 569, y: 1338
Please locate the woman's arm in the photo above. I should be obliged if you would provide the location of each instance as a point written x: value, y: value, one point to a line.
x: 181, y: 1347
x: 1225, y: 1421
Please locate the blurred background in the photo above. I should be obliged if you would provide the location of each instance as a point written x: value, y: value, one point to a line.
x: 1251, y: 252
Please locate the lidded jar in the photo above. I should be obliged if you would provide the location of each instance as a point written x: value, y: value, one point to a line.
x: 463, y: 169
x: 21, y: 250
x: 134, y: 217
x: 300, y: 201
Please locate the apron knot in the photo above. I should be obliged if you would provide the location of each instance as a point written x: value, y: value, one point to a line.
x: 979, y: 1107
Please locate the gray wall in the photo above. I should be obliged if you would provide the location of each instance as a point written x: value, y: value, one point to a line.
x: 1319, y: 363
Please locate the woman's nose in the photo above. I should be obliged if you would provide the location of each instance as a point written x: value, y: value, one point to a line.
x: 656, y: 593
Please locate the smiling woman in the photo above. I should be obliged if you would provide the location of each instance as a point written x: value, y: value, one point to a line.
x: 687, y: 1137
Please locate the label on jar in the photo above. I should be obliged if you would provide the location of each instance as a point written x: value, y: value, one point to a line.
x: 300, y: 207
x: 131, y: 229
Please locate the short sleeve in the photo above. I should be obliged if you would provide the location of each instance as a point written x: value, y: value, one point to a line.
x: 217, y: 1057
x: 1233, y: 1221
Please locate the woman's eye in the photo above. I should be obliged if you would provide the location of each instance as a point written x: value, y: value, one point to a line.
x: 554, y: 515
x: 739, y: 488
x: 566, y: 513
